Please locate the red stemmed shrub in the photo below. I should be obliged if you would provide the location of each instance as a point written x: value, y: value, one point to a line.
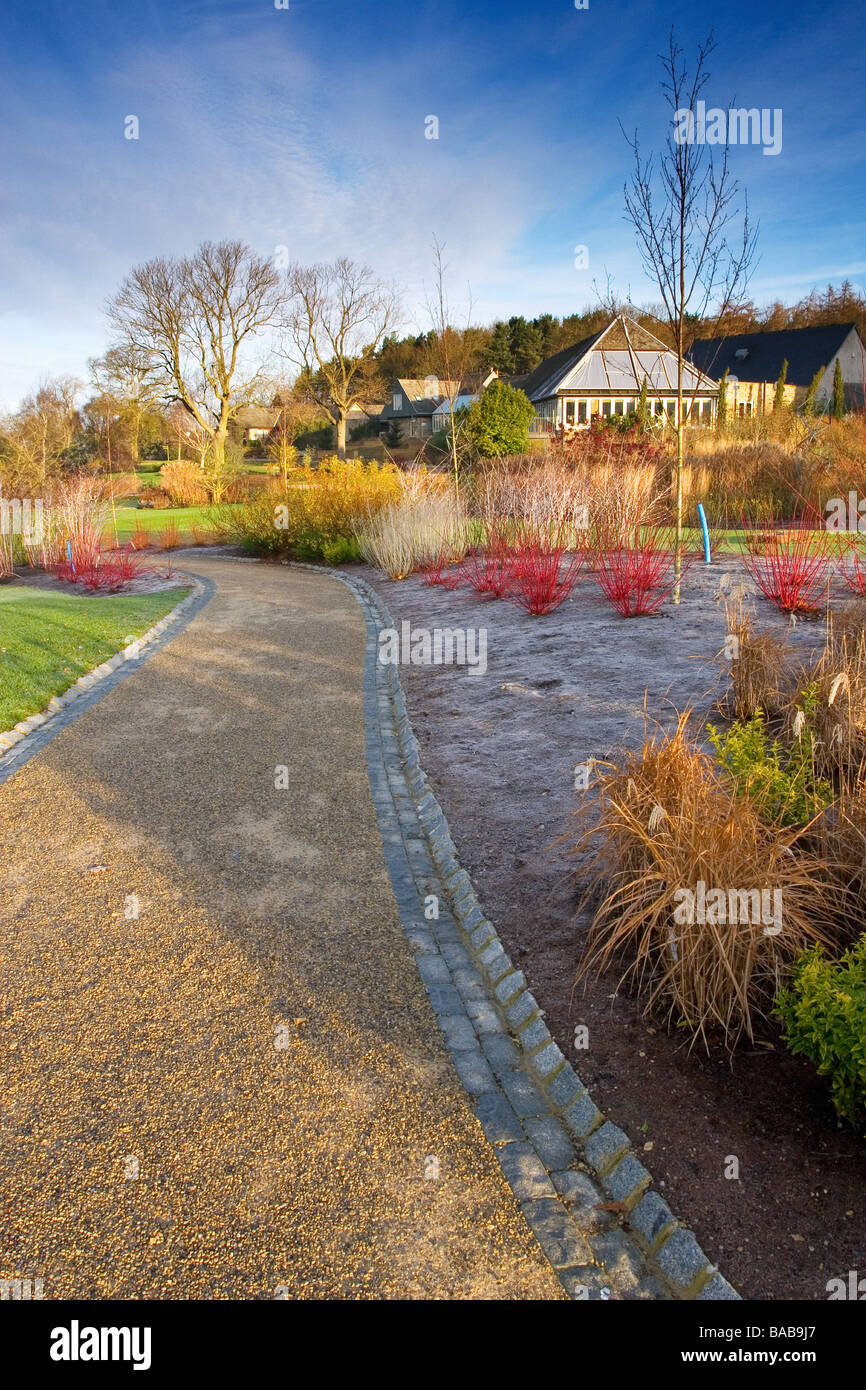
x: 637, y: 578
x: 80, y: 555
x: 489, y: 569
x: 543, y: 571
x: 100, y: 573
x: 792, y: 567
x: 852, y: 567
x: 442, y: 570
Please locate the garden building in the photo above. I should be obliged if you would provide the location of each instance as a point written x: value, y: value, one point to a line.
x: 602, y: 376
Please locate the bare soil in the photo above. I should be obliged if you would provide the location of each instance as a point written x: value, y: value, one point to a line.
x: 500, y: 751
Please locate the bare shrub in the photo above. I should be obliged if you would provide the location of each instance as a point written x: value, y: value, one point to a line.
x: 408, y: 535
x: 182, y: 480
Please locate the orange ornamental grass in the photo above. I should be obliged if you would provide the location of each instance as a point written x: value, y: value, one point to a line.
x: 759, y: 664
x: 169, y: 536
x: 703, y: 906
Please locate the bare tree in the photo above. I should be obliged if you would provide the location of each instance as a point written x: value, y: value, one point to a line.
x: 683, y: 238
x: 129, y: 379
x: 42, y: 430
x: 337, y: 318
x: 450, y: 352
x: 295, y: 412
x: 194, y: 320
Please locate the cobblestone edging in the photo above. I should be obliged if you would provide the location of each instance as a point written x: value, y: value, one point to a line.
x: 31, y: 735
x: 562, y: 1158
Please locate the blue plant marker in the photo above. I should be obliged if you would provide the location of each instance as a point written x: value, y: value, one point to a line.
x: 706, y: 530
x: 69, y: 555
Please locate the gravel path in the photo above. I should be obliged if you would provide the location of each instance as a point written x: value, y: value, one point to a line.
x: 240, y: 1092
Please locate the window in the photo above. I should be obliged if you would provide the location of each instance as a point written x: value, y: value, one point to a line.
x: 672, y: 410
x: 706, y: 412
x: 569, y: 412
x: 545, y: 417
x: 745, y: 409
x: 397, y: 401
x: 412, y: 433
x: 581, y: 412
x: 619, y: 408
x: 606, y: 409
x: 658, y: 408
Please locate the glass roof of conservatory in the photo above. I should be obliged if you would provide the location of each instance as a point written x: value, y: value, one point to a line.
x: 621, y: 370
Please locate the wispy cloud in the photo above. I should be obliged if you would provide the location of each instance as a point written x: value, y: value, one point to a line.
x: 305, y: 128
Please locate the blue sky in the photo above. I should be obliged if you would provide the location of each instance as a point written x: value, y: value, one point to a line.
x: 304, y: 127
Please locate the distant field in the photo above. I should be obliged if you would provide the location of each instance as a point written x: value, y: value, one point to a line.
x: 130, y: 518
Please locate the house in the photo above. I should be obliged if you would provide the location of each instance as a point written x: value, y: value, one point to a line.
x: 602, y: 375
x: 362, y: 415
x: 413, y: 403
x: 442, y: 413
x: 754, y: 363
x: 252, y: 422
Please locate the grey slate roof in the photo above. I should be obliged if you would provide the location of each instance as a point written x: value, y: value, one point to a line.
x: 805, y: 349
x: 543, y: 381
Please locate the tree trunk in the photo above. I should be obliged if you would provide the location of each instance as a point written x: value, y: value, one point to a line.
x: 678, y: 548
x: 218, y: 472
x: 341, y: 436
x: 455, y: 462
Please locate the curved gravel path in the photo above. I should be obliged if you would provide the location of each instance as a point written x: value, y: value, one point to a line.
x: 222, y: 1076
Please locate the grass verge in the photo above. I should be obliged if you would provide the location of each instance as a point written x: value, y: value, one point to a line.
x: 48, y: 640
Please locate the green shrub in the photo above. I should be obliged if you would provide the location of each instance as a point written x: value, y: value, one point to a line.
x: 781, y: 782
x: 341, y: 550
x: 824, y: 1016
x: 322, y: 508
x: 498, y: 422
x: 320, y: 436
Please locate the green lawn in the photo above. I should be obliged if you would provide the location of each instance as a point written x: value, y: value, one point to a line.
x: 48, y: 640
x: 130, y: 518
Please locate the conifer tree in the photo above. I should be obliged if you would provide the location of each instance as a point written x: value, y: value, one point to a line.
x: 838, y: 391
x: 722, y: 410
x: 810, y: 402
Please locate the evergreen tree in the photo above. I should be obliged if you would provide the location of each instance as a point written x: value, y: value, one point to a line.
x: 779, y: 397
x: 498, y: 423
x: 548, y: 330
x: 526, y: 344
x: 499, y: 348
x: 722, y: 409
x: 810, y: 403
x: 838, y: 391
